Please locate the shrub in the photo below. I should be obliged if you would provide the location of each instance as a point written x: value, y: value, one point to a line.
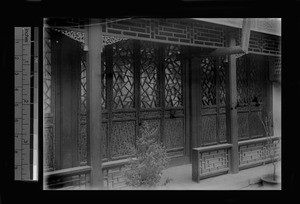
x: 150, y: 159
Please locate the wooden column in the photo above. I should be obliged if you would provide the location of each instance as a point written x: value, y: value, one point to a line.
x: 231, y: 111
x: 94, y: 103
x: 195, y: 102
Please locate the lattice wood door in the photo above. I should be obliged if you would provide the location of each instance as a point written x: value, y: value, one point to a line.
x: 252, y: 87
x: 213, y: 97
x: 142, y: 82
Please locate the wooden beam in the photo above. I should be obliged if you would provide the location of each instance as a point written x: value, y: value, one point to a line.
x: 227, y: 51
x: 245, y: 34
x: 233, y: 49
x: 94, y: 103
x: 231, y: 111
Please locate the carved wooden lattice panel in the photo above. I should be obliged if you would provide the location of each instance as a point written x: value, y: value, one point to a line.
x: 251, y: 90
x: 173, y: 77
x: 208, y: 81
x: 222, y: 128
x: 222, y: 80
x: 149, y: 94
x: 48, y: 134
x: 256, y: 79
x: 173, y: 132
x: 47, y: 74
x: 49, y: 144
x: 242, y: 81
x: 153, y: 125
x: 104, y: 140
x: 123, y: 138
x: 82, y: 117
x: 123, y: 75
x: 209, y: 127
x: 213, y: 161
x: 251, y: 153
x: 255, y: 126
x: 242, y: 119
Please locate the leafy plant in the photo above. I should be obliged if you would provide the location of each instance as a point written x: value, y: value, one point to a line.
x: 270, y: 145
x: 150, y: 159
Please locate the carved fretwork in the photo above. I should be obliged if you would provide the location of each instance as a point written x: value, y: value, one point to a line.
x: 251, y: 94
x: 149, y: 75
x: 123, y: 75
x: 173, y: 77
x: 208, y: 81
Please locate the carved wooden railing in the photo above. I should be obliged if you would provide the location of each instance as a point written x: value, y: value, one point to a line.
x: 255, y: 152
x: 76, y: 178
x: 210, y: 161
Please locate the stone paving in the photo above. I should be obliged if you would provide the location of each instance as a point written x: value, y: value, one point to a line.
x: 179, y: 178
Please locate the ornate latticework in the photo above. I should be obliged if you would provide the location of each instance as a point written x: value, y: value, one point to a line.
x: 209, y: 127
x: 47, y: 74
x: 251, y: 85
x: 148, y: 76
x: 48, y: 134
x: 82, y: 117
x: 242, y: 81
x: 173, y: 132
x: 222, y: 79
x: 123, y: 139
x: 208, y: 81
x: 123, y: 76
x: 173, y: 76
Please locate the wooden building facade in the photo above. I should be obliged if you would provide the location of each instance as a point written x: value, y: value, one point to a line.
x: 158, y: 71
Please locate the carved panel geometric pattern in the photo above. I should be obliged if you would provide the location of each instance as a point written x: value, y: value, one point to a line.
x: 255, y: 126
x: 208, y: 129
x: 242, y: 81
x: 123, y: 80
x: 174, y: 133
x: 242, y: 119
x: 82, y: 116
x: 154, y: 125
x: 208, y: 81
x: 123, y: 138
x: 173, y: 76
x: 213, y: 161
x: 148, y: 76
x: 104, y: 139
x: 82, y: 139
x: 49, y: 148
x: 251, y: 153
x: 47, y: 73
x: 222, y: 128
x: 83, y: 86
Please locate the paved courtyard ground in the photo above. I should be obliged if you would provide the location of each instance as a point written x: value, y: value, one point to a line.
x: 180, y: 178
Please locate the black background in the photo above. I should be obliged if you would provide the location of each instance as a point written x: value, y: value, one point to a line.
x: 31, y: 13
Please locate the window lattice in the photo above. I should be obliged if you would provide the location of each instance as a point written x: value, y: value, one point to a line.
x: 222, y: 79
x: 123, y: 78
x: 148, y: 76
x: 242, y: 81
x: 47, y: 77
x: 208, y: 81
x: 256, y: 79
x: 82, y: 136
x: 173, y: 77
